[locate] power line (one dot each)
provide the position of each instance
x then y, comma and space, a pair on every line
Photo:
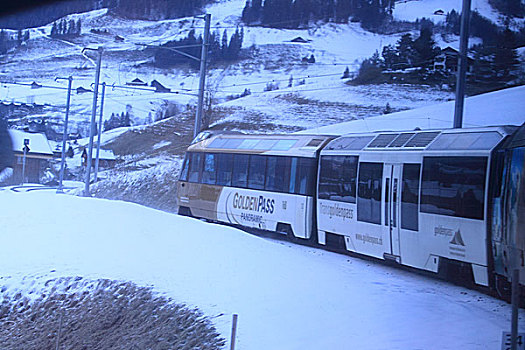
30, 84
295, 90
277, 80
175, 92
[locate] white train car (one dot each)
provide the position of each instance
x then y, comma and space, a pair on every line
420, 198
261, 181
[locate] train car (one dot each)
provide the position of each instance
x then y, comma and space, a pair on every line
507, 223
262, 181
424, 199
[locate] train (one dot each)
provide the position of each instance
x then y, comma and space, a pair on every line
447, 201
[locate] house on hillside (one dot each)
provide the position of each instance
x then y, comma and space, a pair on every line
447, 60
35, 85
106, 158
137, 82
299, 40
159, 87
36, 158
82, 90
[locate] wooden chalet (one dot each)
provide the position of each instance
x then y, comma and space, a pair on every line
37, 157
447, 60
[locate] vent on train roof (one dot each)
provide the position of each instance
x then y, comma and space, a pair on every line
314, 143
382, 140
401, 139
422, 139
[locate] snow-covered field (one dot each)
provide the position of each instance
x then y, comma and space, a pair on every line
287, 296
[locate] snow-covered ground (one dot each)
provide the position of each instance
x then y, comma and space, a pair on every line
287, 296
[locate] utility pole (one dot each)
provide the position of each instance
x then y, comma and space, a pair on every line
202, 80
93, 118
26, 150
100, 129
462, 65
64, 134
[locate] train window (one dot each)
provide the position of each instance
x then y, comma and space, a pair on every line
240, 170
224, 169
454, 186
185, 168
257, 172
277, 174
337, 179
369, 192
209, 169
293, 174
305, 171
284, 145
410, 197
195, 167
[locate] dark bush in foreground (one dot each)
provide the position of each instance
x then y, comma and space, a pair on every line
102, 315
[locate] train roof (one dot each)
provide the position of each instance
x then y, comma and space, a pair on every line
478, 139
286, 144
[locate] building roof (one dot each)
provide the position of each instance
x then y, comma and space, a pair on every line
38, 143
138, 82
103, 155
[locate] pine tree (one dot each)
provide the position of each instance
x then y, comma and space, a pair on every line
506, 61
387, 109
71, 28
3, 41
224, 44
453, 22
425, 49
390, 57
215, 46
405, 51
483, 74
54, 29
346, 74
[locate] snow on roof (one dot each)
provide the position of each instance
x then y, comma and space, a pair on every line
38, 143
104, 154
504, 107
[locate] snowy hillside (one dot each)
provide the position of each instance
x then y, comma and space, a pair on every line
287, 296
503, 107
271, 58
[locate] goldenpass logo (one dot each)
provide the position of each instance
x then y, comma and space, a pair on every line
259, 204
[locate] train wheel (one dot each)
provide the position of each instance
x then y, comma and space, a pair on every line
185, 211
503, 288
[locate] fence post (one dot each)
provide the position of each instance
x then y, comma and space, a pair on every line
234, 331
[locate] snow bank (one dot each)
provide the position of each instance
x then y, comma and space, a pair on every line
287, 296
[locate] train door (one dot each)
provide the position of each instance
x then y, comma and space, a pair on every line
516, 205
391, 200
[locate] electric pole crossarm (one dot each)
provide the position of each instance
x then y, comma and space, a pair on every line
179, 51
